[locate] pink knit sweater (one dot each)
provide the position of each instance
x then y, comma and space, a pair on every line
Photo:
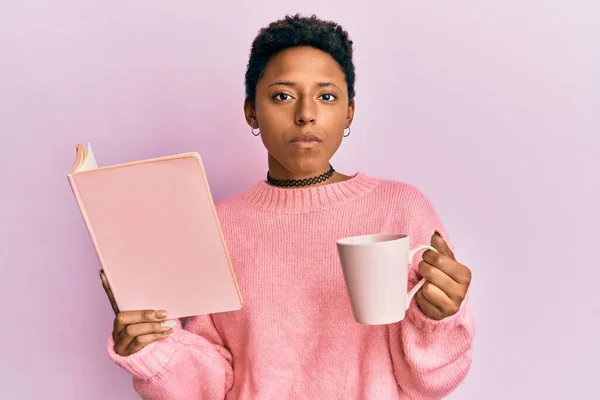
295, 337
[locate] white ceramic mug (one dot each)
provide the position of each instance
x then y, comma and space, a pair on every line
375, 269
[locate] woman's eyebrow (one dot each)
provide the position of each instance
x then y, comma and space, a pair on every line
284, 83
290, 83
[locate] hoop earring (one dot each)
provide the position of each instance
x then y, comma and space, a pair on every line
255, 134
347, 134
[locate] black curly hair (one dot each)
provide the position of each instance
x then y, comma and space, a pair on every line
294, 31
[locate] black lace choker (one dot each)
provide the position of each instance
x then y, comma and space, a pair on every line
301, 182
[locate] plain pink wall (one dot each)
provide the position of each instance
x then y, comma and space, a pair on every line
492, 110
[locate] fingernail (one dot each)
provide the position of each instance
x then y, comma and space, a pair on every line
437, 233
169, 324
160, 314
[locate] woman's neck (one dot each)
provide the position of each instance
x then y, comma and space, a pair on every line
279, 172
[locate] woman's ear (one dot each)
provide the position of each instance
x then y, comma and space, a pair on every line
350, 113
250, 113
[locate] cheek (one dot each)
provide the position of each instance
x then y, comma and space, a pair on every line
336, 122
335, 115
335, 141
272, 119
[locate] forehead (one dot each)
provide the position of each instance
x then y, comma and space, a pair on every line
304, 64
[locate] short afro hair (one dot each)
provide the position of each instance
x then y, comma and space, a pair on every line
295, 31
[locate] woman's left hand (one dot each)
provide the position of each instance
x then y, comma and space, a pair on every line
447, 281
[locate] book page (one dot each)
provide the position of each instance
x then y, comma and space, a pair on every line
90, 160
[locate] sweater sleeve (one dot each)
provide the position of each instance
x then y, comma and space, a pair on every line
191, 363
431, 358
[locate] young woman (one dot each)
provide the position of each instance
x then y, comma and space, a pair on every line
295, 337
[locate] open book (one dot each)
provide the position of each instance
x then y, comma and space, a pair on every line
156, 232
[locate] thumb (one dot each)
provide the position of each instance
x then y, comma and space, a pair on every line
109, 292
438, 242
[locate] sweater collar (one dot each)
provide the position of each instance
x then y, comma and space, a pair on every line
308, 199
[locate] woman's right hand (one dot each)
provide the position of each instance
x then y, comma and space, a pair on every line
134, 330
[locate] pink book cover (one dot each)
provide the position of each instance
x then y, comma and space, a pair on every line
157, 235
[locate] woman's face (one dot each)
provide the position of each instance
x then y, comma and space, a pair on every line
301, 110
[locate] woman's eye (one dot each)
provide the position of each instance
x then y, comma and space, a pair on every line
282, 96
328, 97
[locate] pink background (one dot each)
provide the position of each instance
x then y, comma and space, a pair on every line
492, 110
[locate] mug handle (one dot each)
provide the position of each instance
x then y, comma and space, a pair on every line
419, 285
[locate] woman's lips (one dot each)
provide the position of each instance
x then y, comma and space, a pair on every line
305, 141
